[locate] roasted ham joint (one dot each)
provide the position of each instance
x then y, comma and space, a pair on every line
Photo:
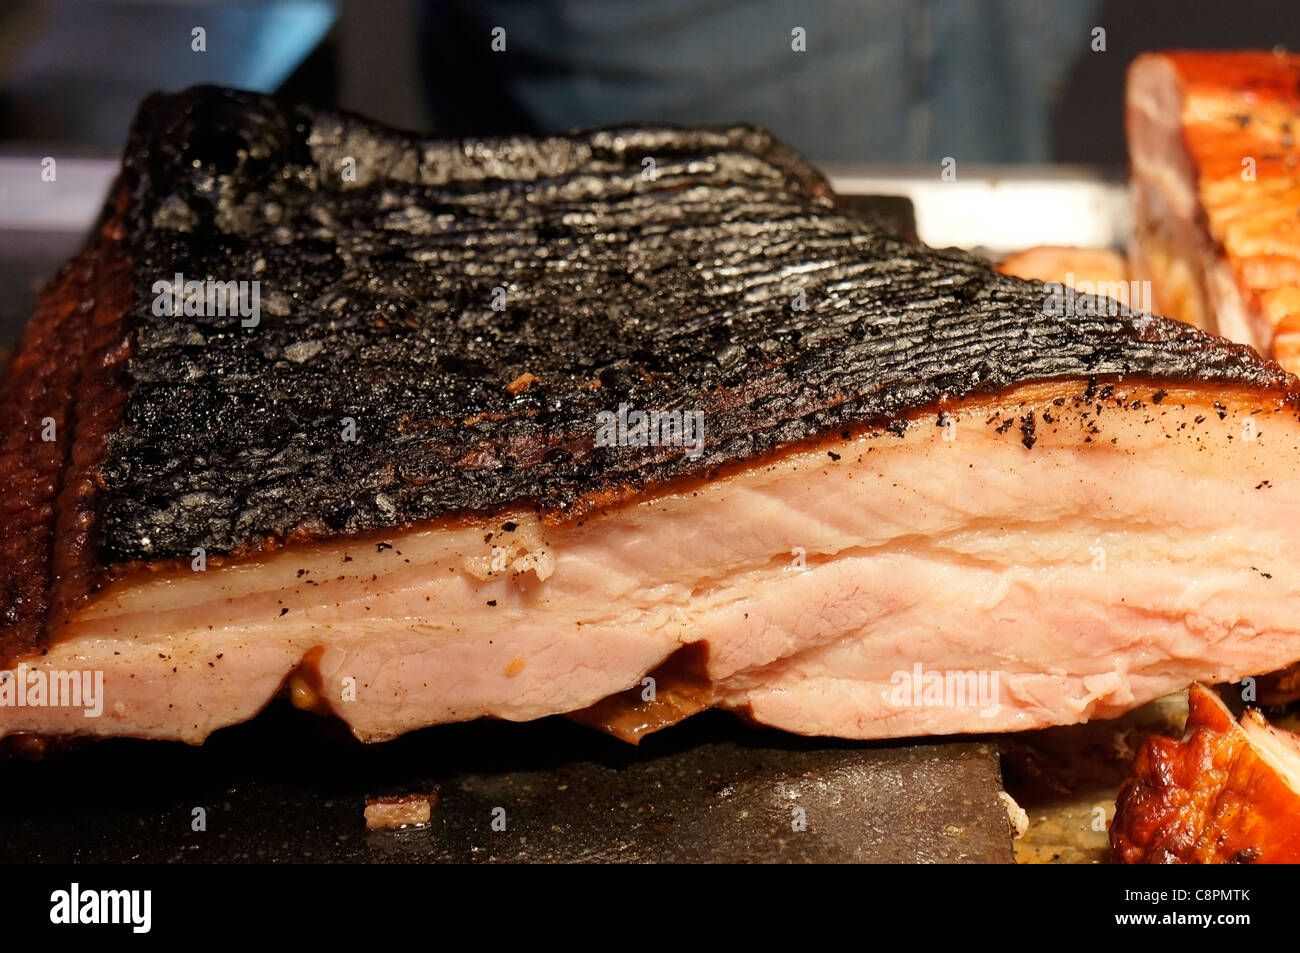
855, 487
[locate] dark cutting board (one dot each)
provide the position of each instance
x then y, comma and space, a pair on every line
291, 786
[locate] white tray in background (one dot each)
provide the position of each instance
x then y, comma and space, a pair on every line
1003, 209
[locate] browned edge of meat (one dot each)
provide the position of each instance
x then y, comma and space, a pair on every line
399, 812
1223, 793
671, 693
62, 398
98, 401
1216, 182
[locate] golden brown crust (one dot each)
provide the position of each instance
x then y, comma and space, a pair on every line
98, 402
37, 397
1210, 797
1241, 130
62, 400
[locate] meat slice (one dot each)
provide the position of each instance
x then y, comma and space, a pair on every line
1080, 574
1224, 793
1100, 270
1216, 179
1096, 273
914, 497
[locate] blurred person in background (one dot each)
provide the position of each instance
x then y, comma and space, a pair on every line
843, 81
886, 79
877, 80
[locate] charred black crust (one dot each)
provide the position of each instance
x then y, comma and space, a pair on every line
671, 292
1027, 431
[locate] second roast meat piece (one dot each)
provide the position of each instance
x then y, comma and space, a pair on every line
1227, 792
1216, 175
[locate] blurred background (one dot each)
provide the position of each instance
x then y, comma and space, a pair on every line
1027, 95
1005, 81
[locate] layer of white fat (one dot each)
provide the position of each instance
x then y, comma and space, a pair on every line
1125, 555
